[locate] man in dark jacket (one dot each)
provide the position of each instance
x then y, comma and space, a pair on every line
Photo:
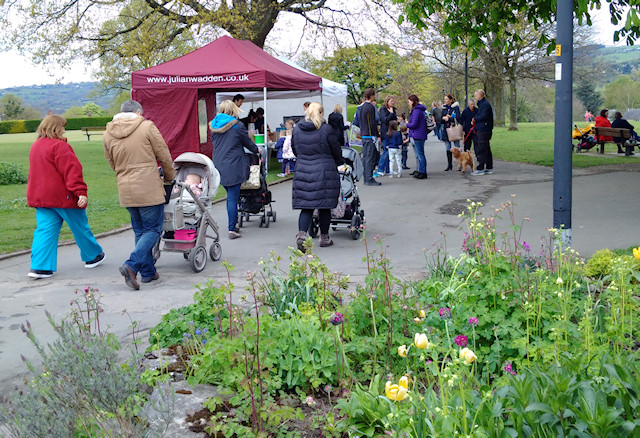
483, 123
619, 122
466, 119
436, 112
369, 134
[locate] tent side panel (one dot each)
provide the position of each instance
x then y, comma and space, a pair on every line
175, 113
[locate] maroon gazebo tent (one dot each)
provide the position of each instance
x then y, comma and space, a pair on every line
170, 92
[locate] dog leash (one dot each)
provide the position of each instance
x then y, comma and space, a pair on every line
473, 129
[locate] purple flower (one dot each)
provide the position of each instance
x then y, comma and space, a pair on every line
336, 318
205, 330
526, 246
444, 313
461, 340
509, 369
473, 321
198, 332
204, 341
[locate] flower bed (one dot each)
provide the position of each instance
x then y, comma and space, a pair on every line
499, 341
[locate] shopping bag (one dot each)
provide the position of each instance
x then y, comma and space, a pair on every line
455, 133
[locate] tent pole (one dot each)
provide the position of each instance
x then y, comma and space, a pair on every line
264, 129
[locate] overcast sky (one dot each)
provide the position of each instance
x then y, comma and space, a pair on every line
18, 70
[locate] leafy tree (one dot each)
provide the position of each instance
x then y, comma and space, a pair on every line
370, 65
623, 93
587, 94
12, 107
466, 22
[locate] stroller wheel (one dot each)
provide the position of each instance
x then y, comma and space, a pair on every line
198, 258
273, 215
156, 251
261, 224
267, 219
240, 220
314, 228
355, 227
185, 255
215, 251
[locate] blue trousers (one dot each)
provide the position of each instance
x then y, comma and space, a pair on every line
44, 249
383, 164
422, 159
147, 226
233, 194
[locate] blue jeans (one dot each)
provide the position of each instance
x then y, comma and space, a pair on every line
383, 163
456, 144
422, 160
147, 226
233, 194
44, 249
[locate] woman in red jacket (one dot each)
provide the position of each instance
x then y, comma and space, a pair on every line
602, 121
56, 189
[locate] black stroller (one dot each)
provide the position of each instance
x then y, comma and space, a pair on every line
347, 215
256, 201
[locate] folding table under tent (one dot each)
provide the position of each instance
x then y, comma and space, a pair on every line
170, 92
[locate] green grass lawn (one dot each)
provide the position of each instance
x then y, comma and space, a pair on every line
17, 220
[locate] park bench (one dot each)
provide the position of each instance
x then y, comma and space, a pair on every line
92, 130
622, 133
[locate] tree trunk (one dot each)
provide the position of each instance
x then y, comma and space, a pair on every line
513, 104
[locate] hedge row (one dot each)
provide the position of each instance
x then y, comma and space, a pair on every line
20, 126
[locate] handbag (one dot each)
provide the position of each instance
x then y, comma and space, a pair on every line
455, 133
253, 182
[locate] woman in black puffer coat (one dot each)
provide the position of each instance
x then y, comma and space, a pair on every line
316, 183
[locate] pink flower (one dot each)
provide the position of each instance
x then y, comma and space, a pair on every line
473, 321
509, 369
461, 340
444, 313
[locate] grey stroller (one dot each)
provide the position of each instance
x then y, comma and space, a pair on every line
347, 215
187, 216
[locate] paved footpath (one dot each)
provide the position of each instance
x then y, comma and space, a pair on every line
410, 215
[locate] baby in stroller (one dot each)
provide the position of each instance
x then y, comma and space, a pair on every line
187, 215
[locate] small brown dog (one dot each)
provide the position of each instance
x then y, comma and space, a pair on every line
464, 159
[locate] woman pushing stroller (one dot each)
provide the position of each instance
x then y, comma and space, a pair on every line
316, 183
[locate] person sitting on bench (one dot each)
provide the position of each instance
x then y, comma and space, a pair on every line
619, 122
602, 121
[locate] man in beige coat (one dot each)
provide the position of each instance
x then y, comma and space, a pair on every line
134, 146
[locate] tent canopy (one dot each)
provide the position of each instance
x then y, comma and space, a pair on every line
170, 92
224, 64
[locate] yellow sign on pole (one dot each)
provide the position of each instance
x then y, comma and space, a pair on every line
558, 49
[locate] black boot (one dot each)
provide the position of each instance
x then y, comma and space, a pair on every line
449, 161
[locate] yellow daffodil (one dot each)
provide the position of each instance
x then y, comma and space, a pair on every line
467, 355
404, 382
636, 253
395, 392
402, 351
422, 314
421, 341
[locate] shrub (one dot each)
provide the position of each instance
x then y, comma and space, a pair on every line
12, 173
600, 264
75, 123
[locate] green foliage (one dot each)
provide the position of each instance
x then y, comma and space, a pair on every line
467, 21
22, 126
371, 65
208, 310
591, 99
623, 93
81, 387
599, 264
11, 173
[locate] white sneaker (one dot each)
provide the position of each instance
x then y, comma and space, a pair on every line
477, 172
281, 175
488, 171
399, 175
391, 175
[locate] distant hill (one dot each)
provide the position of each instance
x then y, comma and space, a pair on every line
59, 98
623, 59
